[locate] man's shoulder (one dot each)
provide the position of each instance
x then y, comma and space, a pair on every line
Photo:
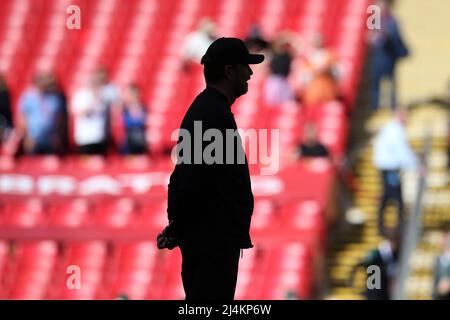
206, 105
207, 96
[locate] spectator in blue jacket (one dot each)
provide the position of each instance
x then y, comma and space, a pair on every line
386, 48
134, 120
40, 116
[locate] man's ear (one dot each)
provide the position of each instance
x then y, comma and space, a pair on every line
229, 72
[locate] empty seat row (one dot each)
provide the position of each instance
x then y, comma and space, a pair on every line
98, 270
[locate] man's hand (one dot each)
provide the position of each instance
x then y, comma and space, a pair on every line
166, 239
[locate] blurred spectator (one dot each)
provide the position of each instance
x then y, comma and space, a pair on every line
40, 116
6, 121
387, 47
134, 119
441, 283
311, 147
385, 257
109, 92
55, 88
255, 41
122, 296
91, 107
276, 88
319, 75
391, 154
291, 295
197, 42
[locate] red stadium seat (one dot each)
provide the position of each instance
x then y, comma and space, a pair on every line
117, 214
33, 276
170, 281
132, 270
288, 272
87, 255
41, 164
154, 215
263, 214
73, 214
134, 284
35, 262
27, 291
141, 255
87, 291
4, 252
24, 214
37, 254
308, 219
90, 257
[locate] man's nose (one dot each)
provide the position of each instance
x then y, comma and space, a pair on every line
250, 70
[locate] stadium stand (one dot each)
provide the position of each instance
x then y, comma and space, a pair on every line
103, 215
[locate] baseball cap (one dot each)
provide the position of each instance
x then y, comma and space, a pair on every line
230, 51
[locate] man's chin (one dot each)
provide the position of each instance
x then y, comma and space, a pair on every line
241, 90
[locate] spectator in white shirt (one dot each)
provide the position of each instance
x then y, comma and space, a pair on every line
391, 155
91, 107
197, 42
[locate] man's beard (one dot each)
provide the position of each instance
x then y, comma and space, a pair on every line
241, 89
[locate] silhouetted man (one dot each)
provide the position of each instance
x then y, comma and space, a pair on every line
210, 204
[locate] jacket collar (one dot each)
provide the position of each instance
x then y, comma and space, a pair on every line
218, 94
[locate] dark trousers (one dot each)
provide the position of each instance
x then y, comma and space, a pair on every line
377, 294
209, 274
375, 90
93, 149
391, 191
42, 149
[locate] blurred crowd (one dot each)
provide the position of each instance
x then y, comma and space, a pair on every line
50, 124
304, 70
300, 69
297, 69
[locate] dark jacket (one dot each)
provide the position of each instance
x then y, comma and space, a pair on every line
211, 204
389, 48
376, 258
6, 119
281, 64
441, 270
312, 151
